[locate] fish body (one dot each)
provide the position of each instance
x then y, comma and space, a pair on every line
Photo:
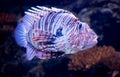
44, 31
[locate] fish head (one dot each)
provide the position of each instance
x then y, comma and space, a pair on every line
88, 38
76, 37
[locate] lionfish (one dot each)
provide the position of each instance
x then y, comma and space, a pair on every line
51, 32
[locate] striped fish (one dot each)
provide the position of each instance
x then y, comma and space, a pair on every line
47, 31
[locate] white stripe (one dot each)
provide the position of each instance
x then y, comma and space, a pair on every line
49, 21
36, 28
67, 21
66, 24
56, 25
54, 22
31, 36
59, 23
41, 23
44, 20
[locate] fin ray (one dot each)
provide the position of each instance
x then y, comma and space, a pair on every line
30, 53
20, 35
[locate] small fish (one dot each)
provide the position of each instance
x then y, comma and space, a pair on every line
45, 32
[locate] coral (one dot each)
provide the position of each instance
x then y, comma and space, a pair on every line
87, 58
98, 59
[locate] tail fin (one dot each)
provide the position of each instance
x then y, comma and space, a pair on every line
20, 35
22, 29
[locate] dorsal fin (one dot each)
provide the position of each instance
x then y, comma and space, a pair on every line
39, 11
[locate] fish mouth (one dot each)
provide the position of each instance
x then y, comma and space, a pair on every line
92, 42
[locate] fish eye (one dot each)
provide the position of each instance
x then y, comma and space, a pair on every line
80, 26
